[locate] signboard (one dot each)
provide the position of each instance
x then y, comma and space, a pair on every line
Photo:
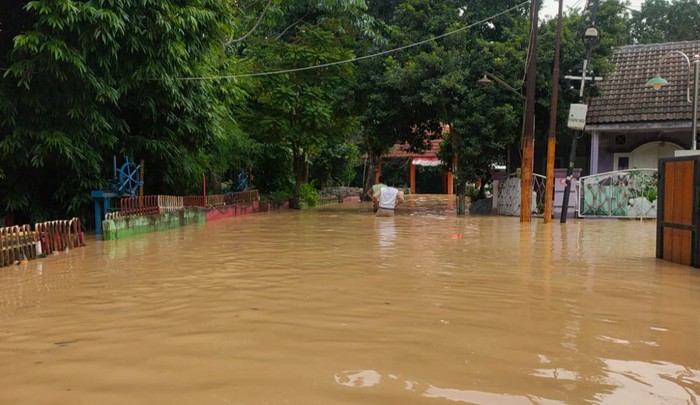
577, 116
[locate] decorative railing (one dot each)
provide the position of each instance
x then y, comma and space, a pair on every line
17, 243
155, 204
241, 196
509, 195
20, 243
56, 236
620, 194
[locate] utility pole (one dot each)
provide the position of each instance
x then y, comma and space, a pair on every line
528, 141
458, 184
552, 138
589, 37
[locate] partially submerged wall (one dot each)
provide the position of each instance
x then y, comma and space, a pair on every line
124, 227
120, 227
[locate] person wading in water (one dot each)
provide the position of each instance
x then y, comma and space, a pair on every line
388, 198
373, 192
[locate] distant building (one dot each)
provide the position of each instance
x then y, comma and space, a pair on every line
632, 125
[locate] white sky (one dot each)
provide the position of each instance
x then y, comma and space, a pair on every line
550, 7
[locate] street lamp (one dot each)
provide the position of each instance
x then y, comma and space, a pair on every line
455, 157
487, 80
657, 82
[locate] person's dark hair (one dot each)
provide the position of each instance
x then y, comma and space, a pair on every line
381, 179
390, 183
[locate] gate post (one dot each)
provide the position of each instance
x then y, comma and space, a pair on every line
677, 225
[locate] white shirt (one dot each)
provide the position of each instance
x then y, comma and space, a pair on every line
387, 198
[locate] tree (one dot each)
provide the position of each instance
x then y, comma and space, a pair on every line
305, 110
334, 165
87, 80
436, 82
663, 21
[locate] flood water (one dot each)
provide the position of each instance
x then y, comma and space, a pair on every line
335, 306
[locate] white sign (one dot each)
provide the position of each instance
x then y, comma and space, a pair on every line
577, 116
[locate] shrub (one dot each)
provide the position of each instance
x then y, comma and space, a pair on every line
309, 194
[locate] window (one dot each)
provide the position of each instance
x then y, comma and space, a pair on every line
623, 163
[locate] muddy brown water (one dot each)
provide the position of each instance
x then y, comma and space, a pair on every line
335, 306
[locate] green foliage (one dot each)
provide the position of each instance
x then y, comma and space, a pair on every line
88, 80
85, 80
273, 169
335, 165
280, 195
643, 184
309, 194
475, 193
407, 96
304, 111
666, 21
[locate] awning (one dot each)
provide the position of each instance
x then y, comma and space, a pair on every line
430, 161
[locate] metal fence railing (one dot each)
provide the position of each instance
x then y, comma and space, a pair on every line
619, 194
17, 243
20, 243
156, 204
509, 196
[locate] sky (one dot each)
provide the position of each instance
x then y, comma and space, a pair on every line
550, 7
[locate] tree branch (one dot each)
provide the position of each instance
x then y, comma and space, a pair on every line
257, 23
292, 25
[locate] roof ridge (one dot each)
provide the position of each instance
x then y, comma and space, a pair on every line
663, 45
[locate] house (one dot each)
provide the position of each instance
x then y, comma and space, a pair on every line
631, 125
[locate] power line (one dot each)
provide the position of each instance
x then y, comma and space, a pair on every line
374, 55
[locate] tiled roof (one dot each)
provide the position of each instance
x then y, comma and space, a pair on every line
402, 151
627, 99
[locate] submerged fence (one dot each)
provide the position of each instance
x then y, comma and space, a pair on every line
156, 204
56, 236
21, 243
17, 243
509, 195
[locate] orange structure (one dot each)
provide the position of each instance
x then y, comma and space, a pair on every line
427, 158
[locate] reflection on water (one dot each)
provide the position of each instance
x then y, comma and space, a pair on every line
358, 378
335, 306
387, 236
659, 382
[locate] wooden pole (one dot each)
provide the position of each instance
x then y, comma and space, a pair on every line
528, 142
552, 138
453, 170
412, 171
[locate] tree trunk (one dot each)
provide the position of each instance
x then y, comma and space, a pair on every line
299, 167
371, 173
461, 192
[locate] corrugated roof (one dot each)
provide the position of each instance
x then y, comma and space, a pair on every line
625, 96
